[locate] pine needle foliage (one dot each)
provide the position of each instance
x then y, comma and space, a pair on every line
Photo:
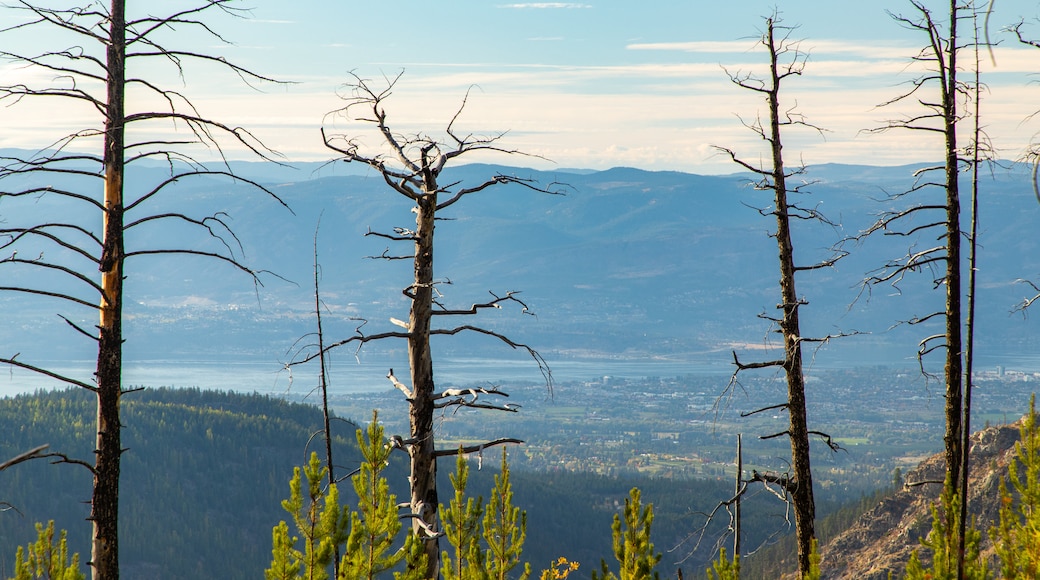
319, 521
942, 543
368, 533
724, 568
461, 522
813, 573
502, 527
47, 559
505, 528
376, 524
632, 546
1016, 536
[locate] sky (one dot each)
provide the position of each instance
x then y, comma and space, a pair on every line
590, 84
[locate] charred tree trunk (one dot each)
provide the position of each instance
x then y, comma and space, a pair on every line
105, 501
953, 437
785, 60
424, 500
798, 431
941, 117
95, 73
798, 428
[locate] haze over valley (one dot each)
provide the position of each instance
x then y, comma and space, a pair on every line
640, 273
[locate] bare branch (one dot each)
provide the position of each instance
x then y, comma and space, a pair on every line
496, 303
543, 366
408, 394
756, 365
1027, 302
34, 453
476, 448
834, 446
763, 409
16, 363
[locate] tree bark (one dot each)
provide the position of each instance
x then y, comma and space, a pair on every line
105, 500
798, 431
424, 500
953, 368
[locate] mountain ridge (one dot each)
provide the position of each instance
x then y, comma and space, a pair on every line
628, 263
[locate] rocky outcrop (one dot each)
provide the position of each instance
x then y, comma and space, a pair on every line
883, 538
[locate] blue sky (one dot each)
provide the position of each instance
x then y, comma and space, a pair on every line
591, 84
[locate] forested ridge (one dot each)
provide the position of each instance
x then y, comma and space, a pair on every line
205, 472
204, 475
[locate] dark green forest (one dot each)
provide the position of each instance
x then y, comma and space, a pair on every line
205, 472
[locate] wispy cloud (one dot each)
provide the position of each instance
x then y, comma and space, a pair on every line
543, 5
866, 51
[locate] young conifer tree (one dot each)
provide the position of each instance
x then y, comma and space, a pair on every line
504, 529
724, 568
632, 546
47, 558
502, 526
319, 521
376, 523
461, 521
366, 535
943, 543
1016, 537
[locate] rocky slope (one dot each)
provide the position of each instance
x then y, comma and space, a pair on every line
883, 538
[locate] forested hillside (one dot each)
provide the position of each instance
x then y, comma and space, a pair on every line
205, 473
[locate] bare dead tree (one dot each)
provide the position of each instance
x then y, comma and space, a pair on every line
80, 264
786, 60
943, 113
946, 110
323, 384
411, 166
979, 149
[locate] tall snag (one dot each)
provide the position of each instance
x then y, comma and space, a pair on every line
786, 60
941, 115
93, 74
411, 165
944, 113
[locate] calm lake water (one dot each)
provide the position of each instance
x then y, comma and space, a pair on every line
369, 374
346, 377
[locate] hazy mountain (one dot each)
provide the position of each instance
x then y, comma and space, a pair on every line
628, 263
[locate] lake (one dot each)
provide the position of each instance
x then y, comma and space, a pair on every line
366, 375
349, 375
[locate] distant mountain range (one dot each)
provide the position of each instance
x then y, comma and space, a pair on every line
627, 264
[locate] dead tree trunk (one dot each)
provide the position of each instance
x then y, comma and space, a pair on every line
798, 485
798, 430
942, 116
954, 370
76, 250
422, 452
105, 502
411, 166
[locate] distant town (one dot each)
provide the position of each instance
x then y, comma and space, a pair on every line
880, 420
